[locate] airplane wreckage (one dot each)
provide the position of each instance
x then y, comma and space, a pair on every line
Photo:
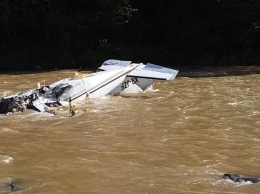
113, 77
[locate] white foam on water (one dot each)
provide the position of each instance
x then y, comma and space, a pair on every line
148, 90
7, 130
6, 159
102, 98
255, 113
230, 182
234, 103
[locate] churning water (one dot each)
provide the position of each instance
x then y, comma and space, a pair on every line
179, 138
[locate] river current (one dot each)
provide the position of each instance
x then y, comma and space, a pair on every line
178, 138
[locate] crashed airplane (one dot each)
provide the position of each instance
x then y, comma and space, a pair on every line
113, 77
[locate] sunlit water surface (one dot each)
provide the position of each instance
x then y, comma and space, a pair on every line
178, 138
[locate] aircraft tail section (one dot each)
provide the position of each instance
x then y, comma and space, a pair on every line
149, 71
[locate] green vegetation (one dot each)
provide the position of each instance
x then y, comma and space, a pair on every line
72, 34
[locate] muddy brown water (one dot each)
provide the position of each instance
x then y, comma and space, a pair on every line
178, 138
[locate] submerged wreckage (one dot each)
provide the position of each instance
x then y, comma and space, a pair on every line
113, 77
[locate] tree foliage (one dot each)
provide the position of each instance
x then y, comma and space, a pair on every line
80, 33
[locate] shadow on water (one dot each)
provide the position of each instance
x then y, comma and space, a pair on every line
220, 71
137, 96
43, 71
28, 72
184, 71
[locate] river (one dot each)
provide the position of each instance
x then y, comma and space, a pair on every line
178, 138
